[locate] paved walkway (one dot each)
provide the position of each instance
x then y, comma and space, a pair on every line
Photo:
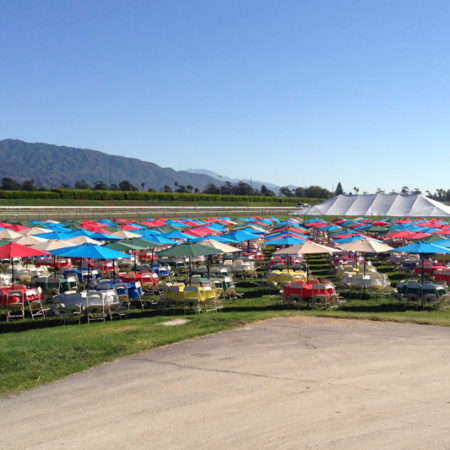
285, 383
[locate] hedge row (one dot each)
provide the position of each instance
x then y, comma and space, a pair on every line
89, 194
29, 194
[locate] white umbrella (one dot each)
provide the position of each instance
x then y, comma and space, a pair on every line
220, 245
126, 234
9, 234
34, 230
52, 244
29, 240
80, 240
365, 246
306, 248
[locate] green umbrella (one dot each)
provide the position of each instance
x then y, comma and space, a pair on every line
124, 247
189, 249
141, 243
3, 242
166, 229
434, 238
121, 246
379, 229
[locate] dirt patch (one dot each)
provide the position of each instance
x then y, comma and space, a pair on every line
174, 322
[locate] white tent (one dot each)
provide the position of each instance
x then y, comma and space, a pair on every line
388, 205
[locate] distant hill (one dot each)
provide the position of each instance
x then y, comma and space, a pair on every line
52, 165
223, 179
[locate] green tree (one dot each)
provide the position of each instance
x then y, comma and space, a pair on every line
265, 191
100, 186
28, 185
125, 185
286, 192
299, 192
8, 184
211, 189
339, 190
81, 184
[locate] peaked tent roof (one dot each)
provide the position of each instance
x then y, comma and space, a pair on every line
389, 205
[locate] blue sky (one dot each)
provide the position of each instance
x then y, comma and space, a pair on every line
289, 92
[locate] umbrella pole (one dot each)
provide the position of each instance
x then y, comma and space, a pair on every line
12, 273
190, 272
114, 270
421, 289
307, 269
54, 265
364, 274
209, 264
89, 273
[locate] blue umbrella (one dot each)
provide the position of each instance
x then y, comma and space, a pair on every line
240, 236
177, 235
443, 243
159, 239
89, 251
286, 240
423, 249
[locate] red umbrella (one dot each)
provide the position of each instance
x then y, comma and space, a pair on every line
14, 250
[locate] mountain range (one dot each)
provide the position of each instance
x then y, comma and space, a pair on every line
52, 165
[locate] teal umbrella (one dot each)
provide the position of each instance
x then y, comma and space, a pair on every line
189, 249
423, 249
90, 251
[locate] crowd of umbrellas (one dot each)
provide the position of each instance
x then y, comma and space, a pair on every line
122, 239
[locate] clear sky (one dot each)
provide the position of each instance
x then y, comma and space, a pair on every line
286, 91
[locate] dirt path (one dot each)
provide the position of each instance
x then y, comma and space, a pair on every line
285, 383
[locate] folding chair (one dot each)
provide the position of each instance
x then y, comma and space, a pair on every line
192, 299
15, 305
95, 306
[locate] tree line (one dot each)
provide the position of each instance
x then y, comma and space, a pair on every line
239, 188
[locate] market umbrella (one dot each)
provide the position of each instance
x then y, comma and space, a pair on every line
306, 248
33, 231
124, 246
81, 240
284, 240
53, 244
124, 234
90, 251
13, 250
29, 240
141, 244
225, 248
189, 249
423, 249
365, 246
9, 234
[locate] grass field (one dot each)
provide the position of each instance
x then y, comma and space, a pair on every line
40, 352
33, 353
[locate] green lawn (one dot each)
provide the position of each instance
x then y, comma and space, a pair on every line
33, 353
39, 352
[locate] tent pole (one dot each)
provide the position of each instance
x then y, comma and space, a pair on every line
12, 273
